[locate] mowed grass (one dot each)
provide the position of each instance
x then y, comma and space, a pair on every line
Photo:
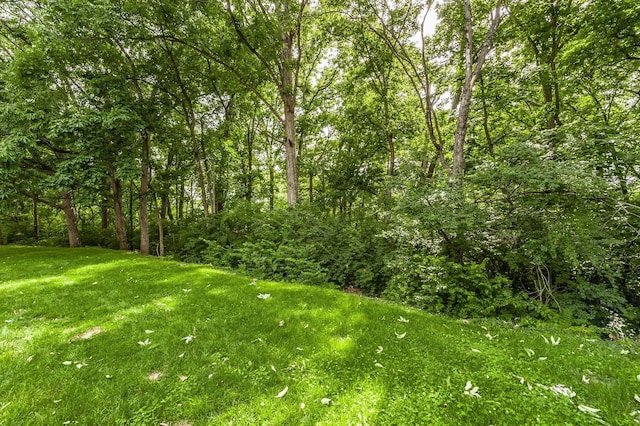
97, 337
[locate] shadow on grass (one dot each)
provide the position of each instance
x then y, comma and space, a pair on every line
187, 343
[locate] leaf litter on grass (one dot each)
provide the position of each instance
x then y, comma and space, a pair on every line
545, 398
155, 375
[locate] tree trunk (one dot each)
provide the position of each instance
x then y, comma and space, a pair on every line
472, 71
485, 120
1, 237
160, 228
288, 93
180, 207
104, 205
144, 193
272, 186
461, 129
70, 219
290, 150
165, 208
250, 141
120, 222
196, 154
36, 220
555, 47
211, 184
390, 143
104, 213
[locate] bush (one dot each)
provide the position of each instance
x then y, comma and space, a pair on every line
439, 285
299, 244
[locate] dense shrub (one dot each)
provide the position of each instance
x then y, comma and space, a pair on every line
526, 234
439, 285
300, 244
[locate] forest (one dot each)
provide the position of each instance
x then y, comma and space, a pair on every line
470, 158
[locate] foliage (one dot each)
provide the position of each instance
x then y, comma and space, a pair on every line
438, 285
293, 245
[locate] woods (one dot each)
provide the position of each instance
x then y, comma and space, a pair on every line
486, 166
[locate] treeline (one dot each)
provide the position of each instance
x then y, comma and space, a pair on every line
487, 166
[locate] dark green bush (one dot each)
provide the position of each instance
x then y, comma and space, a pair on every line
300, 244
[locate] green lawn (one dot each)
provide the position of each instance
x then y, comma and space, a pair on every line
91, 336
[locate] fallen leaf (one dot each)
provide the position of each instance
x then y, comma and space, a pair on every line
490, 337
80, 365
30, 358
188, 339
302, 405
379, 350
325, 401
181, 355
585, 379
155, 375
274, 369
471, 390
400, 336
588, 410
183, 378
542, 358
108, 377
624, 352
555, 342
377, 364
283, 392
529, 352
475, 350
637, 398
264, 296
563, 390
403, 319
145, 343
522, 379
148, 331
67, 363
281, 323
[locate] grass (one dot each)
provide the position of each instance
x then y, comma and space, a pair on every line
90, 336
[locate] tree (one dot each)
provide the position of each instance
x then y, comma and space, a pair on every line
268, 40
